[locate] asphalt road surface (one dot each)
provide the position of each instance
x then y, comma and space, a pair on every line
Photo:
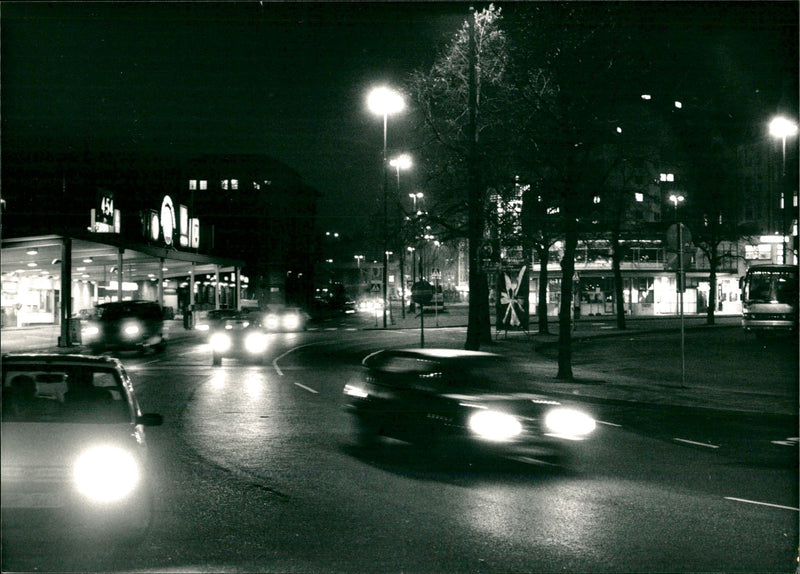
258, 471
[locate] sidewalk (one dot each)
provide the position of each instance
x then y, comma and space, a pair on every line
590, 385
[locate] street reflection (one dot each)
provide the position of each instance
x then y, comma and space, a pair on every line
564, 518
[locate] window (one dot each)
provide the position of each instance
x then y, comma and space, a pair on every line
203, 184
234, 184
192, 184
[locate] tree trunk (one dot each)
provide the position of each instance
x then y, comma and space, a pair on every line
565, 311
619, 295
712, 290
541, 306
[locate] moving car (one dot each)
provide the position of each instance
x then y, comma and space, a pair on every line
216, 317
126, 325
238, 336
285, 319
464, 401
74, 451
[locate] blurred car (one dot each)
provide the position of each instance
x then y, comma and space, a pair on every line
285, 319
216, 317
239, 335
74, 451
126, 325
464, 401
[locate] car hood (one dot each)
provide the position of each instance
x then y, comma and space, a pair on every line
57, 444
530, 404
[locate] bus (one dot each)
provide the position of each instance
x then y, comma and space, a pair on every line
769, 298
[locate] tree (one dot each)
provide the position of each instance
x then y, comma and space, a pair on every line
569, 73
462, 102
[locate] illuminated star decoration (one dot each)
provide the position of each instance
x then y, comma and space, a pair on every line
509, 297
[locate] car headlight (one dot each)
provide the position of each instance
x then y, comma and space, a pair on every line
568, 423
291, 321
131, 329
494, 425
272, 322
106, 473
255, 343
90, 331
355, 391
202, 327
220, 342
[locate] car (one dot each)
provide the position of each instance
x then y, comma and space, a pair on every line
74, 449
285, 319
239, 335
127, 326
457, 401
216, 317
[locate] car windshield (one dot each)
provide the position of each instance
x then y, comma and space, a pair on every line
63, 393
116, 312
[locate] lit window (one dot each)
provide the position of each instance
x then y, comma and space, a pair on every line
203, 184
224, 184
639, 197
192, 184
234, 184
667, 177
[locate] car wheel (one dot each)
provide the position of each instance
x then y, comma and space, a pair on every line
216, 360
368, 434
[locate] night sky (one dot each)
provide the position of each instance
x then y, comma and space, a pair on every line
289, 80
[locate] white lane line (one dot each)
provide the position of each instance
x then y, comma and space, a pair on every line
309, 389
761, 503
696, 443
609, 424
292, 350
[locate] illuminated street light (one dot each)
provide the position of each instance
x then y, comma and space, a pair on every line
415, 197
681, 282
402, 161
384, 101
782, 128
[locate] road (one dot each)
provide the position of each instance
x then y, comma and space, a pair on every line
259, 472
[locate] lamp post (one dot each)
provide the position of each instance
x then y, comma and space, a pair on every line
402, 161
415, 197
676, 199
383, 101
782, 128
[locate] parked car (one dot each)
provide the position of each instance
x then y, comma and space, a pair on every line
285, 319
126, 325
238, 335
74, 450
464, 401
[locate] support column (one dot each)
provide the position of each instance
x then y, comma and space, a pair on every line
119, 273
65, 339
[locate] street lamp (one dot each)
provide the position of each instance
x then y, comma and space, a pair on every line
782, 128
681, 282
415, 197
402, 161
384, 101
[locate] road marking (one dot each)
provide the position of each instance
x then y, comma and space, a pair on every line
309, 389
761, 503
609, 424
790, 441
293, 349
696, 443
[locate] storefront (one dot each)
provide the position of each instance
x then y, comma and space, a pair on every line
48, 279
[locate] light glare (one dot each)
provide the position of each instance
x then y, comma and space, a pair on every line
106, 473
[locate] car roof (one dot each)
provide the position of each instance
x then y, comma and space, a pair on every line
127, 303
58, 358
443, 355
